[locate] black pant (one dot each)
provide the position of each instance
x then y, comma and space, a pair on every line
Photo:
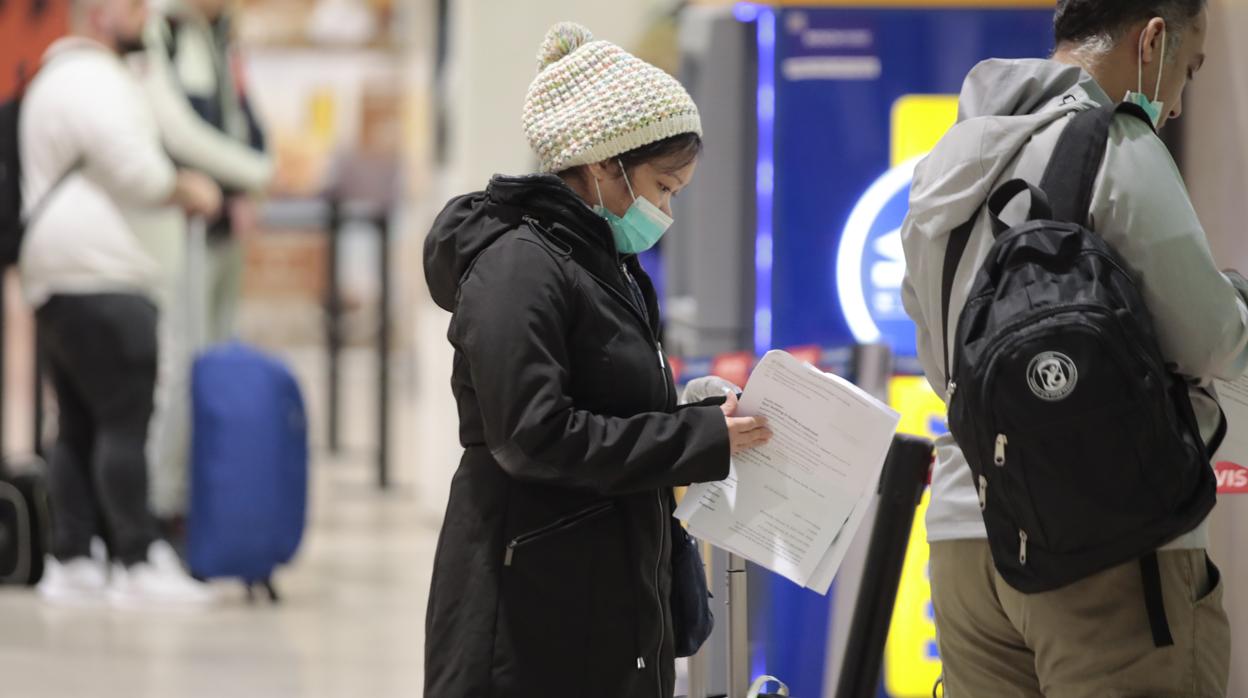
100, 351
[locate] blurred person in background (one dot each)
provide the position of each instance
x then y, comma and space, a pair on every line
206, 123
93, 162
553, 572
194, 61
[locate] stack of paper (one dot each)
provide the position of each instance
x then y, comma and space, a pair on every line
794, 505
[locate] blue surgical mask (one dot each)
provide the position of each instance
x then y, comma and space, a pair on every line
642, 225
1153, 107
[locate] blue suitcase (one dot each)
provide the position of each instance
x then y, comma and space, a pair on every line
249, 466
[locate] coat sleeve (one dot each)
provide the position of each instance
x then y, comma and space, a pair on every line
511, 325
1143, 210
191, 141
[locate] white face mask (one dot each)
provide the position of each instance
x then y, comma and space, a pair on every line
1153, 107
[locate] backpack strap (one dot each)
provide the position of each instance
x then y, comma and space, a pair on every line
37, 209
1066, 190
1154, 601
1219, 435
958, 240
1070, 178
1040, 209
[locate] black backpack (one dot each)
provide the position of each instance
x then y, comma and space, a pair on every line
1083, 443
11, 224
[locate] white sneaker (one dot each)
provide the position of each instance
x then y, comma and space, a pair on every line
78, 582
159, 582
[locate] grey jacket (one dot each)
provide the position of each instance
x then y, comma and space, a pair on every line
1011, 114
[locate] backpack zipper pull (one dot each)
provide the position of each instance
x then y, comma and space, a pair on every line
511, 551
950, 389
983, 493
1022, 547
641, 663
1002, 442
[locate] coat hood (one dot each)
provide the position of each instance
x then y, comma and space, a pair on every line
1003, 104
471, 223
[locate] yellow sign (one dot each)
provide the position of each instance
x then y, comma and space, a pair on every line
919, 122
911, 661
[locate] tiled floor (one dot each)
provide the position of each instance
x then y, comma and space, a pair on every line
351, 624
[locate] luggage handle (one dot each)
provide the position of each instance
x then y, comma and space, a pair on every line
1040, 209
196, 295
756, 690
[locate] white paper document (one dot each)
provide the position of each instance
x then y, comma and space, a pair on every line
794, 505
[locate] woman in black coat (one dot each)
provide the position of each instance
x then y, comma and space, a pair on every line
553, 572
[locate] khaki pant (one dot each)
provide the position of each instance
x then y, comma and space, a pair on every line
1087, 640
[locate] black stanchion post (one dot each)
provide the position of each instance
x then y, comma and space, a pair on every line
333, 324
901, 488
383, 355
3, 357
37, 437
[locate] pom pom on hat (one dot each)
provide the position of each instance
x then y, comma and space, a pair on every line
592, 101
562, 41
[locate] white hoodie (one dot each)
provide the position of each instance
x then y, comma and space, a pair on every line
85, 110
1011, 114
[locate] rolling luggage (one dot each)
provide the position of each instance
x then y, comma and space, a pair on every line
249, 466
249, 461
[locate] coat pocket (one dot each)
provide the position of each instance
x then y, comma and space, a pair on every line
562, 612
561, 525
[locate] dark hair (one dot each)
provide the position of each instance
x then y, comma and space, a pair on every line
1079, 20
669, 155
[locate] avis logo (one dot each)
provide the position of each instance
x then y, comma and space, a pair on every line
1232, 478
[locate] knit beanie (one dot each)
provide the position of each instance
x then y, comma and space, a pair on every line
593, 101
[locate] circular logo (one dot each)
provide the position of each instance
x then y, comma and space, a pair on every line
1052, 376
871, 263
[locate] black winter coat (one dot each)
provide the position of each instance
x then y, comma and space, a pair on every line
553, 575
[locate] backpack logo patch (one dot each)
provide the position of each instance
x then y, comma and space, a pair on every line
1052, 376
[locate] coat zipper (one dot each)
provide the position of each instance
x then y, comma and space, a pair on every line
643, 315
562, 524
640, 313
658, 565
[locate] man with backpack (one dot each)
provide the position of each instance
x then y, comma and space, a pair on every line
1067, 523
92, 164
195, 70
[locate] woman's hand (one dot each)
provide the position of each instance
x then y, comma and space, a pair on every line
744, 432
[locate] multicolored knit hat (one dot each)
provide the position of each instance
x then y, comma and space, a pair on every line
593, 101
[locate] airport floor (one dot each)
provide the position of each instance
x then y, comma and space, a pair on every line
351, 623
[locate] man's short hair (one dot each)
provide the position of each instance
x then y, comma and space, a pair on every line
1079, 21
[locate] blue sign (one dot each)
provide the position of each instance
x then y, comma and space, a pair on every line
837, 74
829, 78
